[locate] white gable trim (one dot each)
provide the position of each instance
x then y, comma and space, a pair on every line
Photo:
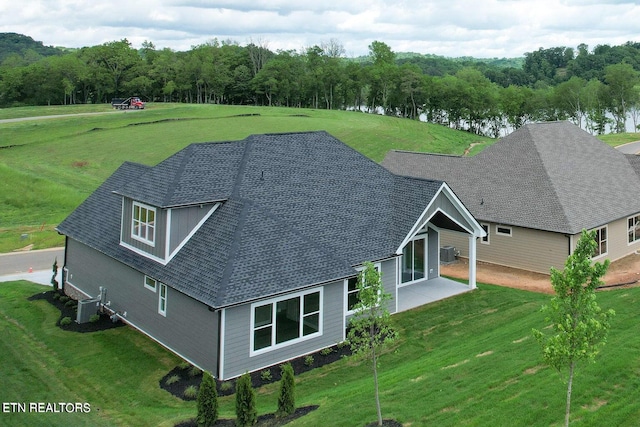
444, 189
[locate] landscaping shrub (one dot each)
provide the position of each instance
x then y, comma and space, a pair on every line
326, 351
184, 365
64, 298
65, 321
226, 386
308, 360
207, 402
194, 372
190, 392
266, 375
246, 413
286, 397
172, 379
94, 318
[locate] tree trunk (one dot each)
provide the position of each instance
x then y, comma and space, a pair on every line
568, 410
375, 378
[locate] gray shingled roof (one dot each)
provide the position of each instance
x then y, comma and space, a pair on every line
548, 176
298, 209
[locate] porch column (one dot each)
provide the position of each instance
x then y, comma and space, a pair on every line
472, 261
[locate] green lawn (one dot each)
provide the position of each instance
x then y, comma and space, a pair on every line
466, 361
48, 167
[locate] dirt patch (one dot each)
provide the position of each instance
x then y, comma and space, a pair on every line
624, 272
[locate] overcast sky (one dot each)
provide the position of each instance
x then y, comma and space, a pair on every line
453, 28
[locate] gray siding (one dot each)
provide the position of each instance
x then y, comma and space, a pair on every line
433, 255
183, 221
527, 249
189, 328
389, 281
158, 250
237, 331
443, 203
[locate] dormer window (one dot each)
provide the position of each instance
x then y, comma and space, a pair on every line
143, 225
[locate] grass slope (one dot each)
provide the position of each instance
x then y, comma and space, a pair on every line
466, 361
47, 167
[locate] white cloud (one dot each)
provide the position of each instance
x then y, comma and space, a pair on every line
490, 28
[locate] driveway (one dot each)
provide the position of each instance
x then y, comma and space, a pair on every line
629, 148
35, 266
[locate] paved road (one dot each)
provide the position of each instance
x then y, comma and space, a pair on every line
35, 266
630, 148
57, 116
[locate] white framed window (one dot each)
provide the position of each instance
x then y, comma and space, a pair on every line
150, 283
485, 240
351, 289
503, 230
633, 227
162, 299
143, 223
601, 241
414, 259
284, 321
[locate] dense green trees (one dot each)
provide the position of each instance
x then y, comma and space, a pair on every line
596, 89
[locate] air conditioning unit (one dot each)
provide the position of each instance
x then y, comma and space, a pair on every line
447, 254
86, 309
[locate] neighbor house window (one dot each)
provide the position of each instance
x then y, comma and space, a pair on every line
353, 296
143, 226
634, 228
286, 320
150, 283
413, 260
601, 241
485, 239
162, 300
503, 230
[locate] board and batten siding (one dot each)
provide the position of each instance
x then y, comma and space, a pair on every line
526, 248
238, 329
444, 204
189, 329
158, 249
183, 221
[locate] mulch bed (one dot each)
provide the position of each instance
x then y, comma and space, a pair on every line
267, 420
70, 310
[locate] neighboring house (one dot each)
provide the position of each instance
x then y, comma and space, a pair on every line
240, 255
535, 190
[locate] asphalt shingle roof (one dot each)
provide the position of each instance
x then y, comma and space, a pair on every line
549, 176
297, 209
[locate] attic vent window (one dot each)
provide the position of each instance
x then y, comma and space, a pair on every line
143, 223
502, 230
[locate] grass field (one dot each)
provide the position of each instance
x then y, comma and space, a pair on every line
48, 167
466, 361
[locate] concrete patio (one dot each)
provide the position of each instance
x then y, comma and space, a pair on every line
428, 291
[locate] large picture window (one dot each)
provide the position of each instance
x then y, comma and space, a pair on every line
634, 228
601, 241
413, 260
286, 320
143, 225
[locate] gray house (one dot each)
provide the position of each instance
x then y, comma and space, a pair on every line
240, 255
535, 190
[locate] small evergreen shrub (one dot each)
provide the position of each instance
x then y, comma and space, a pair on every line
308, 360
266, 375
246, 413
94, 318
64, 298
190, 392
326, 351
286, 397
70, 303
65, 321
172, 379
207, 402
226, 386
343, 344
56, 295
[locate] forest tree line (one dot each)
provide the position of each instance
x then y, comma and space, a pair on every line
596, 89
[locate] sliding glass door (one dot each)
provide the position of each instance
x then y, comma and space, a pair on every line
414, 260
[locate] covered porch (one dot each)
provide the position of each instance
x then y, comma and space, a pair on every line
428, 291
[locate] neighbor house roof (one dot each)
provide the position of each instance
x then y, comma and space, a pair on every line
550, 176
297, 209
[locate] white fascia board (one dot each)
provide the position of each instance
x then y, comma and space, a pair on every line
195, 229
477, 230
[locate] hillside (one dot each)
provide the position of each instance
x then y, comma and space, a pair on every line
19, 44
